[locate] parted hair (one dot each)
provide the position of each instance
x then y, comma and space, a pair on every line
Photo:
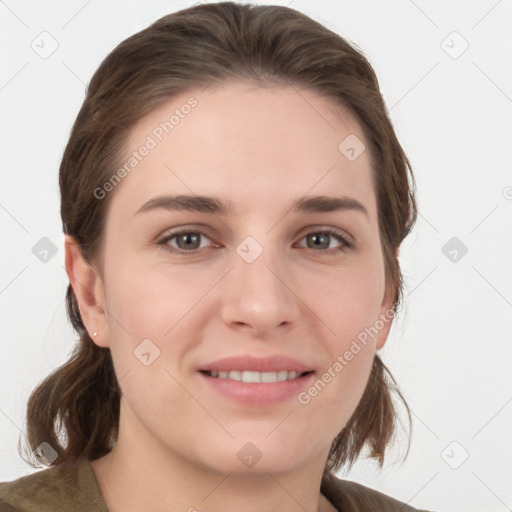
74, 412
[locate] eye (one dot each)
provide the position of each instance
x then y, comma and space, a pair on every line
189, 242
319, 240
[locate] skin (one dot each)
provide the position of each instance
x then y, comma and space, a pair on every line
260, 148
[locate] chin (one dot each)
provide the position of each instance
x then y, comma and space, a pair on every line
257, 455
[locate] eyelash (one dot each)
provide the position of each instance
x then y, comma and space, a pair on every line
345, 243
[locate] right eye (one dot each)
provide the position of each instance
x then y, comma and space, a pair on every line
187, 241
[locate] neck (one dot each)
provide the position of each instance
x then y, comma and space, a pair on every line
138, 475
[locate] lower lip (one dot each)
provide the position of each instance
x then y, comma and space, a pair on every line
258, 394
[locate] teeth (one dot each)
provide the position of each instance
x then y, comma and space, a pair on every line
252, 377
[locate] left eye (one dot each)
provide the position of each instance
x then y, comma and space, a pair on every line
321, 240
189, 242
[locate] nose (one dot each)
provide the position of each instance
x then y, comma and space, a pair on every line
260, 295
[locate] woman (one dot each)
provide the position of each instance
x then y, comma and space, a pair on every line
233, 197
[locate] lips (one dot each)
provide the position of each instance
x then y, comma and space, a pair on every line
256, 381
247, 363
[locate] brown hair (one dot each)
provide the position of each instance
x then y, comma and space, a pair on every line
75, 410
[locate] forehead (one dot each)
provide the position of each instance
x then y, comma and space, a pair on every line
250, 141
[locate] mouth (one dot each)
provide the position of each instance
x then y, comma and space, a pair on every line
251, 388
256, 381
254, 377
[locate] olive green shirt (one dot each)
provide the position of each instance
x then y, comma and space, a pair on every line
74, 488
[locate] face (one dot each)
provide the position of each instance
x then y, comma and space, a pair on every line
199, 296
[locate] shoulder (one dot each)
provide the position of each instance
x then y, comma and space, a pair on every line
61, 488
43, 488
353, 497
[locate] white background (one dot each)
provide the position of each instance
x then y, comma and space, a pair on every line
450, 351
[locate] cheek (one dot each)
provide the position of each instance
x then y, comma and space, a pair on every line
151, 301
341, 381
149, 309
348, 300
350, 310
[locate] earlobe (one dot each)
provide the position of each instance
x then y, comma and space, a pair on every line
88, 288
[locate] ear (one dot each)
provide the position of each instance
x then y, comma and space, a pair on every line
88, 287
383, 324
387, 311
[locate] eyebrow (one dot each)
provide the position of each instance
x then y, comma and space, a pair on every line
212, 205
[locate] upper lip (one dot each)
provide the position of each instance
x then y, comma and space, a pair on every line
257, 364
